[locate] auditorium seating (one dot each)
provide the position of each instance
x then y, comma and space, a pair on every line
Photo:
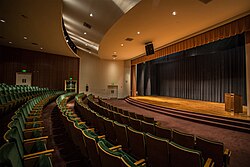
13, 96
89, 134
214, 150
180, 156
138, 150
25, 144
183, 139
157, 151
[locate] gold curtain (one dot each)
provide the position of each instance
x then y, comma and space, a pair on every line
230, 29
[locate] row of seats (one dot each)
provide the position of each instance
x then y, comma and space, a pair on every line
209, 149
96, 148
25, 143
13, 96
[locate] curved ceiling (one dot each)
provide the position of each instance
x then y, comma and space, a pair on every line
34, 25
156, 23
113, 21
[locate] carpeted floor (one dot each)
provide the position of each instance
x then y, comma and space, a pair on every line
237, 142
66, 154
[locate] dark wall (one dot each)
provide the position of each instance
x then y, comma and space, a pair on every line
48, 70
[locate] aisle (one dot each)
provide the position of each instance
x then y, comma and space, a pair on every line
65, 154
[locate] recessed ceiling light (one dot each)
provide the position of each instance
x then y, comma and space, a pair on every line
91, 14
89, 52
41, 48
122, 45
25, 38
86, 44
138, 32
3, 21
67, 40
84, 33
10, 42
114, 52
174, 13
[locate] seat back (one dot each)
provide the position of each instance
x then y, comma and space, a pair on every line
135, 123
181, 156
125, 119
91, 144
117, 117
139, 116
163, 132
136, 143
157, 151
210, 149
148, 127
108, 158
9, 155
121, 134
132, 115
149, 119
110, 132
183, 139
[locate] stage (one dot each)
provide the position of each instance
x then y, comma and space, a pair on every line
197, 106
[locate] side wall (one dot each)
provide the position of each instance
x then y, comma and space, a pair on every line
48, 70
98, 74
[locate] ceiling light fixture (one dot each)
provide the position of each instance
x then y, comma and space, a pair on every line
114, 52
67, 40
114, 57
25, 38
174, 13
91, 14
84, 33
10, 42
138, 32
3, 21
41, 48
122, 45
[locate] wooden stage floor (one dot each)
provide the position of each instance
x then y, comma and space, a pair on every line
198, 106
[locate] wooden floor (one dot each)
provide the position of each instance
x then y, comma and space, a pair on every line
198, 106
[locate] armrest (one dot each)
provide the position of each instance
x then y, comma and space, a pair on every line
35, 139
32, 117
101, 137
209, 163
115, 147
33, 155
91, 129
36, 122
226, 156
140, 162
81, 123
32, 129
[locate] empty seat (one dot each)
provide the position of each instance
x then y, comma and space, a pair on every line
132, 115
136, 143
139, 116
125, 112
110, 132
148, 127
157, 151
163, 132
183, 139
29, 147
125, 119
91, 140
149, 119
135, 123
121, 134
117, 117
214, 150
114, 156
9, 156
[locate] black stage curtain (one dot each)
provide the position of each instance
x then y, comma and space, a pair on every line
202, 73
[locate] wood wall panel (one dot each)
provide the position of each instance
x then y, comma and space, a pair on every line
48, 70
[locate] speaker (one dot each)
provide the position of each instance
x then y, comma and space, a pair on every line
149, 47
